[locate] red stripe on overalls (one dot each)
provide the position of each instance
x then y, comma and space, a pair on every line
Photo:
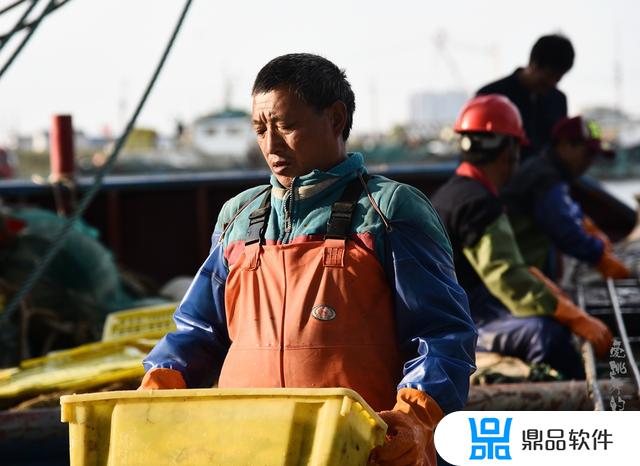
234, 249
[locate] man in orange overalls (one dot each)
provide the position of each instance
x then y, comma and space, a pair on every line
327, 277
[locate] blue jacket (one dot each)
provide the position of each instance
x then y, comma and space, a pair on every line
435, 332
544, 215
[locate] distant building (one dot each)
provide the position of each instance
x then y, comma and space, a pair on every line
617, 126
85, 143
19, 142
40, 142
227, 136
430, 112
141, 140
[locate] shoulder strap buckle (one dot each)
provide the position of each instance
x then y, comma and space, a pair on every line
258, 221
339, 224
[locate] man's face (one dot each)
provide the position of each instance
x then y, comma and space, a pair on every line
294, 137
544, 79
509, 161
577, 157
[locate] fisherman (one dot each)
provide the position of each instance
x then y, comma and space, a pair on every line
327, 277
543, 215
533, 89
517, 310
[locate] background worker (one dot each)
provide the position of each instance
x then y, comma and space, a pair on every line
533, 89
327, 277
518, 313
542, 213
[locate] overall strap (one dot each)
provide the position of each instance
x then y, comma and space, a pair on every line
227, 225
339, 224
258, 220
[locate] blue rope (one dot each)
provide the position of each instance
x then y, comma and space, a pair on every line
95, 188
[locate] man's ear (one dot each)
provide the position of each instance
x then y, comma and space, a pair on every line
337, 113
514, 151
507, 156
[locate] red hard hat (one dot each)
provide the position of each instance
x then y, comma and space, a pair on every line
491, 113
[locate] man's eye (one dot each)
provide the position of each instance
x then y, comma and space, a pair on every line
260, 131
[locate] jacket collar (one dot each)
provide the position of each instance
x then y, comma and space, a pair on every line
317, 180
471, 171
551, 155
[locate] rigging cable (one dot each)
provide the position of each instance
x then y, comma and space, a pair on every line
11, 6
55, 248
19, 24
51, 6
31, 23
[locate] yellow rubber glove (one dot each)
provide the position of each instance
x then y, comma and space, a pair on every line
578, 321
410, 435
612, 267
161, 379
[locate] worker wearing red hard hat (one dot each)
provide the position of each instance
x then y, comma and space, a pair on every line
544, 216
491, 117
518, 311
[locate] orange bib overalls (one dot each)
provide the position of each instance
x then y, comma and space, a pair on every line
312, 314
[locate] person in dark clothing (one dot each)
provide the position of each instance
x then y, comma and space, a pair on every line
540, 208
518, 311
533, 89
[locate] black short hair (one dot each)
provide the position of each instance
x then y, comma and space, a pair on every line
553, 51
314, 79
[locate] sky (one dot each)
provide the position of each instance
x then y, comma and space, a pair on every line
93, 58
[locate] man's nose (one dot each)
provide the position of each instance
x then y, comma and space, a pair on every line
273, 141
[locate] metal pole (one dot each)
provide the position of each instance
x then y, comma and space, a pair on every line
62, 161
589, 359
62, 156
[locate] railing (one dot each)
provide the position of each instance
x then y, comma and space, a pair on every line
617, 302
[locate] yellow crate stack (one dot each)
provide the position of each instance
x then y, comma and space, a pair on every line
127, 337
143, 322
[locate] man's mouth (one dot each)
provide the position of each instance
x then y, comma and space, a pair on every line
280, 164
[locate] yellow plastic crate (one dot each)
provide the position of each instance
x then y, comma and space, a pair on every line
150, 321
230, 427
82, 368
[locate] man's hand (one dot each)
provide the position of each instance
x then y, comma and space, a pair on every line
609, 265
612, 267
584, 325
405, 443
578, 321
593, 230
410, 435
161, 379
